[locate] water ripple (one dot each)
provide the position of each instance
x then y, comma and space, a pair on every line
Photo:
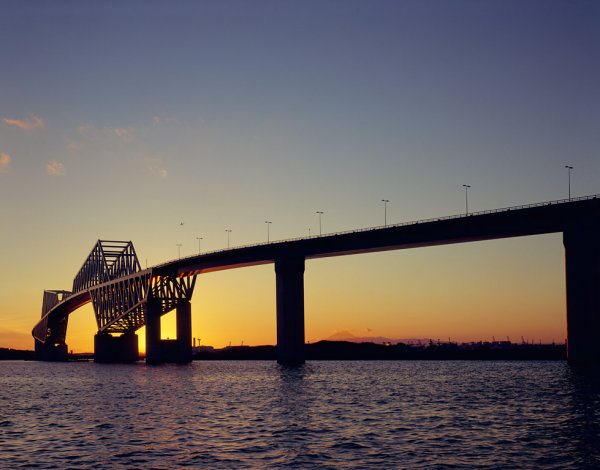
323, 414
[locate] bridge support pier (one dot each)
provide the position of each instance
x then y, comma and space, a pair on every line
49, 351
169, 350
153, 342
184, 332
112, 349
289, 274
582, 262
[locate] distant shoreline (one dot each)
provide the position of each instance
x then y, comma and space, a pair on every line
345, 350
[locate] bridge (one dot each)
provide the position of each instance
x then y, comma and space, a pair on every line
126, 297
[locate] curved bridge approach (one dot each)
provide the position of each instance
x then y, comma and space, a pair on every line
126, 297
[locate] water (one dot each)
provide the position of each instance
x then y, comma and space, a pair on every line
324, 414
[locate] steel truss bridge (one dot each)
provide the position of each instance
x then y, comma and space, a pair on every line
126, 297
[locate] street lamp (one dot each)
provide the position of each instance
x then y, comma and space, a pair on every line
179, 245
385, 203
320, 214
228, 232
569, 168
199, 238
268, 222
466, 186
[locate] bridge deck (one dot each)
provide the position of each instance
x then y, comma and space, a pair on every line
533, 219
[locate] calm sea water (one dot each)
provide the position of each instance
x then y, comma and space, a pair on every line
324, 414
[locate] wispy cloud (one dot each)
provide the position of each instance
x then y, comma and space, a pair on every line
164, 120
157, 169
124, 133
84, 129
4, 162
151, 164
122, 141
31, 122
72, 145
55, 168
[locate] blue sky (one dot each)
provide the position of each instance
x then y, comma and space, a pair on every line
122, 119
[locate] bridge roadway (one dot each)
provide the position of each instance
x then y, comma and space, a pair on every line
578, 219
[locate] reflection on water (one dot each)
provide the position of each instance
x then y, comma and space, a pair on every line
325, 414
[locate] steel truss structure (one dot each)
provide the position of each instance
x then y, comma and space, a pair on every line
120, 291
108, 260
121, 305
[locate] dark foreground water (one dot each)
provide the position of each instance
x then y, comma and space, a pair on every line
324, 414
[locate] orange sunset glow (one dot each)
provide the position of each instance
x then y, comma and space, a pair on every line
320, 122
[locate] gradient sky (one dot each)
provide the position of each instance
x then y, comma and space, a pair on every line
119, 120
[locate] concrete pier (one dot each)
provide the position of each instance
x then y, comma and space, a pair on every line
153, 343
582, 262
116, 349
289, 273
177, 350
51, 352
184, 332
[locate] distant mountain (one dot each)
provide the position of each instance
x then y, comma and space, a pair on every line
347, 336
341, 336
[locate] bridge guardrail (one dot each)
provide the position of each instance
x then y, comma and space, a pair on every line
401, 224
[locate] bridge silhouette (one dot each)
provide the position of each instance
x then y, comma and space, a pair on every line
126, 297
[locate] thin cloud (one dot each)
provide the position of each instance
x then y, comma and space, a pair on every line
123, 133
164, 121
4, 162
31, 122
72, 145
157, 170
84, 129
55, 168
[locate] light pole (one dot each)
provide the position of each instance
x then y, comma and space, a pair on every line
320, 214
466, 186
199, 238
228, 232
569, 168
268, 222
385, 203
179, 245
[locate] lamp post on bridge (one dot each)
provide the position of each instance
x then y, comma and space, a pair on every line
228, 232
268, 222
569, 168
199, 239
320, 214
466, 186
179, 245
385, 203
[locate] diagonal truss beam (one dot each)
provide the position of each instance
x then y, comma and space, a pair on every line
120, 305
108, 260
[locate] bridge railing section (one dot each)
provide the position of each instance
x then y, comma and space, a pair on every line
108, 260
401, 224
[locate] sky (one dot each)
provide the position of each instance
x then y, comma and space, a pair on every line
121, 120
